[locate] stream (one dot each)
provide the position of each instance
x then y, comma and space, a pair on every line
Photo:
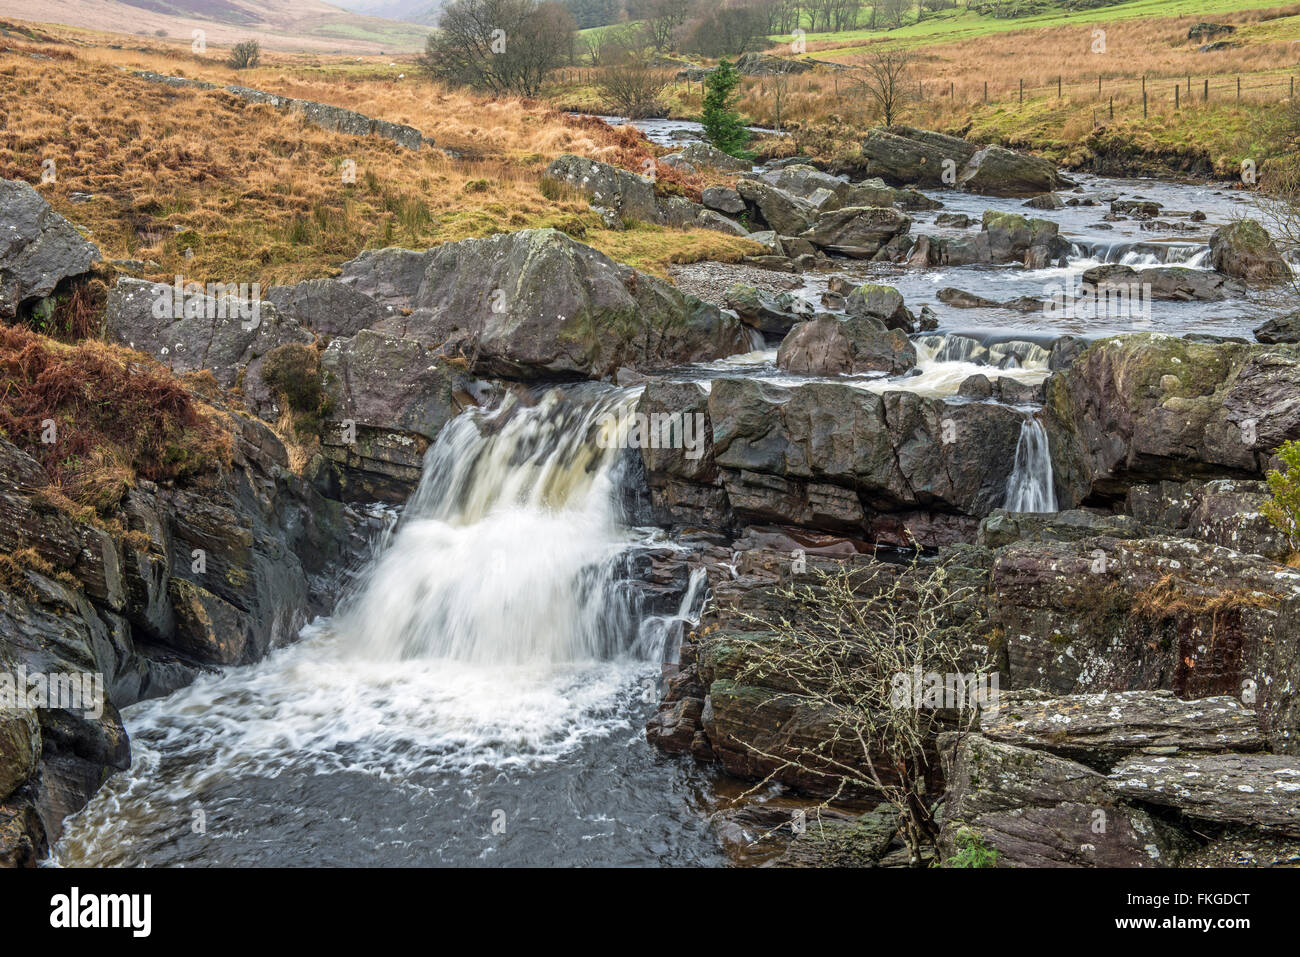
480, 695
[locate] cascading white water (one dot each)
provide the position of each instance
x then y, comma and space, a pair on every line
1031, 487
507, 552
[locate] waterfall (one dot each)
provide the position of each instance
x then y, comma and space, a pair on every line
511, 550
1031, 487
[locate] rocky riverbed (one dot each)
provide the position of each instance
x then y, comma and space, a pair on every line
439, 577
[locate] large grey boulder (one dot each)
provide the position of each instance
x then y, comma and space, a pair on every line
391, 277
904, 155
631, 196
996, 171
1244, 249
702, 154
859, 232
538, 304
38, 248
787, 214
830, 346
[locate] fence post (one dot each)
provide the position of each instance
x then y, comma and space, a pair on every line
1176, 91
1058, 86
1112, 107
986, 89
1022, 92
1206, 97
1144, 101
952, 90
1099, 84
1239, 88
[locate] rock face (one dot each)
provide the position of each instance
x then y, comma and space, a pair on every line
389, 399
1143, 408
1243, 249
787, 214
882, 303
38, 248
831, 346
1106, 614
175, 580
537, 304
1003, 238
833, 456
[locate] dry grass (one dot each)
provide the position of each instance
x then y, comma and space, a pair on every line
253, 195
96, 417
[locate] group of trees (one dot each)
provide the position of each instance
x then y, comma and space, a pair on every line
502, 46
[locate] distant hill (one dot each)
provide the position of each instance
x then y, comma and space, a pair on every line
277, 24
411, 11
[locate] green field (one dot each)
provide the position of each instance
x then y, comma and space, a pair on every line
954, 26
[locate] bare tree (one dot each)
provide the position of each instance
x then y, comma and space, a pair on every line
630, 84
865, 652
664, 20
505, 46
893, 11
886, 78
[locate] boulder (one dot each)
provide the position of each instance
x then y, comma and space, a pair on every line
883, 303
1282, 329
537, 304
772, 314
631, 196
724, 199
857, 231
1164, 282
39, 249
904, 155
1243, 249
784, 212
995, 171
831, 346
704, 155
